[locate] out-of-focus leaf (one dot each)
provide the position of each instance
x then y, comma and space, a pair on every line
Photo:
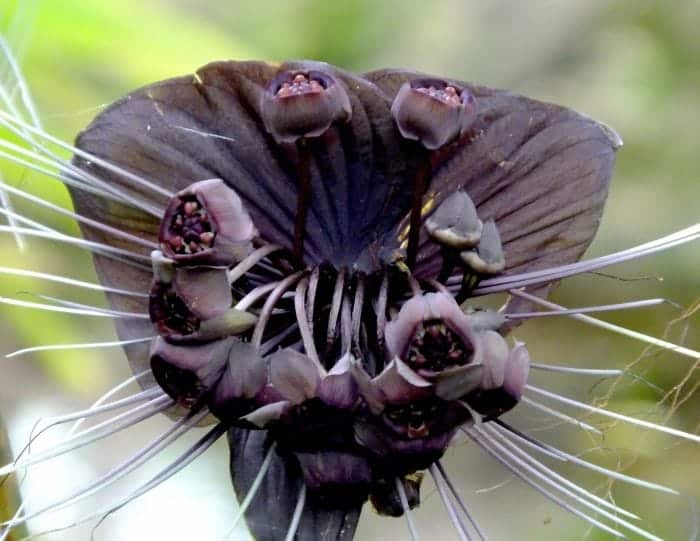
9, 491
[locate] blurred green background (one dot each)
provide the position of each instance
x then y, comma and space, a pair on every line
633, 64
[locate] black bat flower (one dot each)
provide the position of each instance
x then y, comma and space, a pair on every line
294, 255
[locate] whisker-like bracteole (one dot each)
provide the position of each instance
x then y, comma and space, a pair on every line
204, 443
79, 218
491, 450
459, 526
604, 372
119, 254
406, 509
589, 309
252, 491
296, 516
95, 433
119, 471
84, 345
614, 415
562, 416
25, 273
551, 451
514, 462
18, 218
681, 350
455, 494
119, 314
70, 310
13, 123
504, 283
494, 433
99, 402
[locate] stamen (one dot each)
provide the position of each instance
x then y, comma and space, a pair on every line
296, 517
614, 415
406, 509
477, 438
589, 309
252, 491
272, 299
254, 295
70, 281
335, 309
459, 501
357, 309
345, 325
560, 415
550, 450
532, 471
681, 350
454, 518
303, 321
251, 260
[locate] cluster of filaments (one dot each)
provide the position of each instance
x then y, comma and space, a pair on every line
363, 377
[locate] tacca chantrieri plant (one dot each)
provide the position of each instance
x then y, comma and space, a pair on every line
294, 256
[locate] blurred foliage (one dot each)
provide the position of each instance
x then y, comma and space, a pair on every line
634, 64
9, 493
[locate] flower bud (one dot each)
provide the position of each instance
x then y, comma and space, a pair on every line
433, 111
206, 224
455, 222
488, 256
303, 104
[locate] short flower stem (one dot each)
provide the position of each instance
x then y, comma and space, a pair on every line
303, 200
419, 185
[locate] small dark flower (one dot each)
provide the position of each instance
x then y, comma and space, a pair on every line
455, 222
206, 223
433, 111
303, 104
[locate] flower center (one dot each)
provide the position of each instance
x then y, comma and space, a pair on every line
301, 84
191, 227
435, 347
447, 95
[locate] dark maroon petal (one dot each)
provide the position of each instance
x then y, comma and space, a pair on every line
293, 375
271, 509
242, 379
189, 372
336, 475
399, 384
339, 388
205, 291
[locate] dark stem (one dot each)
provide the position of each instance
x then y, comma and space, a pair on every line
449, 260
304, 198
420, 184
